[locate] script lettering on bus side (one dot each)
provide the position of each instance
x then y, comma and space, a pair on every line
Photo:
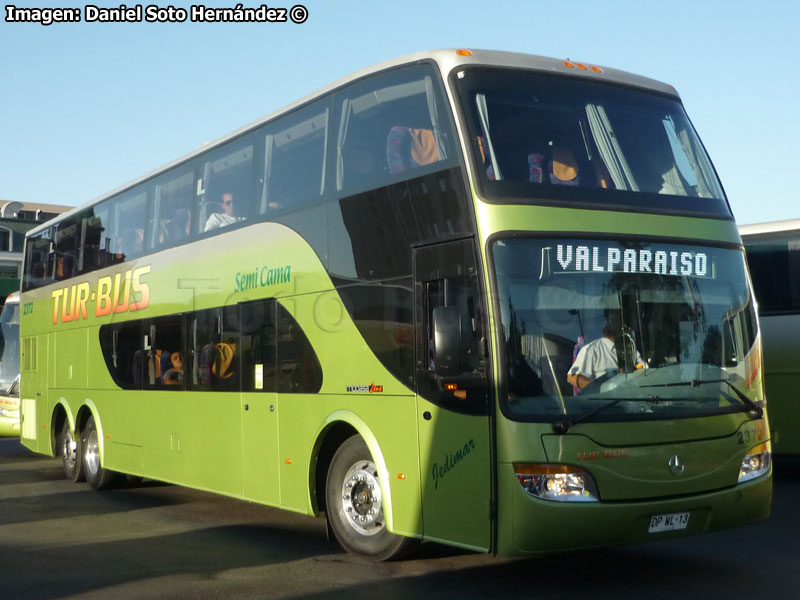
450, 462
118, 293
264, 276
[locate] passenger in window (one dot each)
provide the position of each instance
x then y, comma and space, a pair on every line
180, 225
598, 358
226, 217
408, 148
224, 363
216, 363
174, 375
562, 168
131, 242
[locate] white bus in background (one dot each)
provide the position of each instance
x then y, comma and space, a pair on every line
9, 366
773, 253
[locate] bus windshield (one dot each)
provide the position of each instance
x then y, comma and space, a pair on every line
9, 344
543, 138
665, 330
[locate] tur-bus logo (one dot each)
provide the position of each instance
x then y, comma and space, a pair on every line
118, 293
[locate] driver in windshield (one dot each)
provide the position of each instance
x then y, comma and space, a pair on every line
599, 357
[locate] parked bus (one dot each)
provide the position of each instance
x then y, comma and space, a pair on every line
9, 366
773, 253
373, 303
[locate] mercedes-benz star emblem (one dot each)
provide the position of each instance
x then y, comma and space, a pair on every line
676, 465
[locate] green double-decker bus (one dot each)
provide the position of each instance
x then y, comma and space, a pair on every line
487, 299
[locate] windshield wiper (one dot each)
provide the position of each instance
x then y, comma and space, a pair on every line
563, 424
754, 409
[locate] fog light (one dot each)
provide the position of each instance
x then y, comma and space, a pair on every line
756, 463
562, 483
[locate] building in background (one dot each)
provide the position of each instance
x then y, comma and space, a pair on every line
16, 218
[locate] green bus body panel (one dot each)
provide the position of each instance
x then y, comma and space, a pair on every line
260, 455
207, 439
522, 437
637, 472
71, 368
512, 217
455, 463
781, 371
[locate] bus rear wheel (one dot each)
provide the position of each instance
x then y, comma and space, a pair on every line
354, 504
71, 455
97, 477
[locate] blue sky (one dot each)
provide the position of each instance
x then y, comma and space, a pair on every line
86, 107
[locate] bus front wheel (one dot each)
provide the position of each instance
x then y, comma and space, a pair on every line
71, 453
354, 504
96, 475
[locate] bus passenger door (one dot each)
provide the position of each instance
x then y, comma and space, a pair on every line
259, 406
452, 409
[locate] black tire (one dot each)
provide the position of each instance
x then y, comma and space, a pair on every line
70, 449
354, 510
96, 476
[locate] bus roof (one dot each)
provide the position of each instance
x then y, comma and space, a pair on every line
755, 229
447, 60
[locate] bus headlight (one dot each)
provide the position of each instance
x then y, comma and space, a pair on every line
756, 463
557, 482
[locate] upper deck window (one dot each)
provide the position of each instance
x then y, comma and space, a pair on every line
547, 139
392, 125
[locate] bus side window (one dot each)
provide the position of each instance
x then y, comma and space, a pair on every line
129, 216
775, 268
174, 199
298, 370
294, 159
163, 341
224, 193
121, 345
95, 249
63, 261
257, 345
390, 126
214, 349
451, 362
37, 250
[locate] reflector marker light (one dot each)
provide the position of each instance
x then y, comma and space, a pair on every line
572, 65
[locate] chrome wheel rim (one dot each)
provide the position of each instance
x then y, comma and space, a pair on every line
69, 450
91, 454
361, 498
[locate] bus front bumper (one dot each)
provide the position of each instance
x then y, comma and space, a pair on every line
529, 525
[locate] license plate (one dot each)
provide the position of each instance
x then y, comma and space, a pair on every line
672, 522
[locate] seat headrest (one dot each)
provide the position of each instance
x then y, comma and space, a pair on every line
565, 166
